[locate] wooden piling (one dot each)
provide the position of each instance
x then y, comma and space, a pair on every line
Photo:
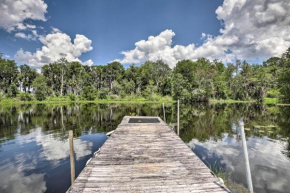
164, 118
72, 156
178, 117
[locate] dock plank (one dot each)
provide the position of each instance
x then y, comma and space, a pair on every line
146, 157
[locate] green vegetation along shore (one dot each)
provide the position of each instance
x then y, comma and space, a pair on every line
189, 81
64, 100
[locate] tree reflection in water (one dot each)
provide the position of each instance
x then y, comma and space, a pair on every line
34, 146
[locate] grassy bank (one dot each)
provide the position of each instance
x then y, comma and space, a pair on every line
59, 100
64, 100
228, 101
267, 101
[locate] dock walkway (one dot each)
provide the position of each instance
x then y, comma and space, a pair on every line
146, 157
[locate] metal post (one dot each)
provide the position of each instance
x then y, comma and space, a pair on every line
164, 118
248, 170
178, 117
72, 157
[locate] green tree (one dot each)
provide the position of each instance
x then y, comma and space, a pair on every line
40, 88
8, 74
12, 90
26, 77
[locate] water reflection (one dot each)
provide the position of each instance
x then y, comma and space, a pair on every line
34, 147
18, 182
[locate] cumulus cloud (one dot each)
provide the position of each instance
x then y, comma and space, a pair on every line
56, 46
252, 30
88, 62
14, 13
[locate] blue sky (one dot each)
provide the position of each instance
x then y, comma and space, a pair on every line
115, 26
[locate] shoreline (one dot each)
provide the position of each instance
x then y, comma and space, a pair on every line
67, 101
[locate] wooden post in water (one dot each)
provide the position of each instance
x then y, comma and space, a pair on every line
178, 117
248, 170
72, 156
164, 118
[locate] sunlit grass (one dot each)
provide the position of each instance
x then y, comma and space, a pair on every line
271, 100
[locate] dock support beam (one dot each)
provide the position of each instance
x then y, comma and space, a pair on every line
248, 170
72, 156
178, 117
164, 118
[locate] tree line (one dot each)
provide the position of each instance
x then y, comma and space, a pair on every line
189, 81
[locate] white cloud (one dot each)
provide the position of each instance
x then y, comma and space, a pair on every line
252, 29
88, 62
56, 46
17, 181
230, 153
55, 30
33, 36
13, 13
55, 149
116, 60
21, 35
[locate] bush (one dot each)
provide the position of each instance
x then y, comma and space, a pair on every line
40, 94
103, 93
273, 93
89, 93
155, 97
26, 97
167, 98
72, 97
114, 97
199, 95
12, 90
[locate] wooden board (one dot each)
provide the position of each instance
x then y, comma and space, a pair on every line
147, 157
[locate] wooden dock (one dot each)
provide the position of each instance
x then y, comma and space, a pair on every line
146, 157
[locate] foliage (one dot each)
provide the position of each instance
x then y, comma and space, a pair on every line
103, 92
72, 97
8, 74
41, 90
189, 81
26, 97
89, 93
12, 91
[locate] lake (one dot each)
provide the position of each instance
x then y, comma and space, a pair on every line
34, 147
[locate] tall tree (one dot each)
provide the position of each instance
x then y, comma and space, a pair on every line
26, 77
8, 74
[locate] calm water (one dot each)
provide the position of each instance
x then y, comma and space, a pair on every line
34, 149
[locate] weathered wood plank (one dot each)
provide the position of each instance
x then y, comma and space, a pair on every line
146, 157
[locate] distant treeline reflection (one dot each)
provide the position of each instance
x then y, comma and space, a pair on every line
202, 122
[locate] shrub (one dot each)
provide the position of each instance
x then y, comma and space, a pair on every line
40, 94
273, 93
12, 90
103, 93
26, 97
72, 97
199, 95
89, 93
114, 97
167, 98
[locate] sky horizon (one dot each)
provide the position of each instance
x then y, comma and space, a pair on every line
96, 32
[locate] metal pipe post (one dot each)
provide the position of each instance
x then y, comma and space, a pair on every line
248, 170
